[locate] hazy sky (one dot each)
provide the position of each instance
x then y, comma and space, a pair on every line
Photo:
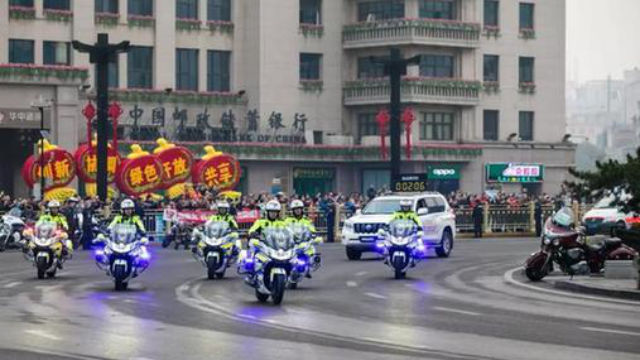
603, 37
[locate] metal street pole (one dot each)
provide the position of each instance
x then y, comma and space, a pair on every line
101, 53
395, 68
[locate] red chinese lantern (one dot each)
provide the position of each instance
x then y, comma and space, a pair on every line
87, 163
383, 119
89, 112
115, 111
407, 118
139, 175
176, 165
59, 169
221, 172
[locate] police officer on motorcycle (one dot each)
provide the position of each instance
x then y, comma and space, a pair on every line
127, 216
298, 218
224, 215
272, 219
406, 213
53, 215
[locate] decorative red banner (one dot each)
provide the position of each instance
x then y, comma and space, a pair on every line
383, 119
59, 168
87, 163
221, 172
407, 118
139, 175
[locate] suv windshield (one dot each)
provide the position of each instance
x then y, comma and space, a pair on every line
382, 206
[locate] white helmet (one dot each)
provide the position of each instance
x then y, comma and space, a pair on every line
127, 204
222, 205
53, 204
406, 203
273, 206
296, 204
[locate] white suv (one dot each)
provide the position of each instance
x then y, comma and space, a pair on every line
359, 232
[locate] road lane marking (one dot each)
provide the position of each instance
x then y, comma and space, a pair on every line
43, 334
352, 284
611, 331
361, 273
12, 284
456, 311
376, 296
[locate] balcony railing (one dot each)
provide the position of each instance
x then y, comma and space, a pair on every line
413, 90
411, 31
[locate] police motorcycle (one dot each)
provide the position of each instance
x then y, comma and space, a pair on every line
401, 246
11, 227
307, 259
216, 247
44, 248
124, 255
271, 267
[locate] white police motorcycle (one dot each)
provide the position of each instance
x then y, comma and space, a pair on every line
11, 227
217, 247
401, 246
307, 259
124, 256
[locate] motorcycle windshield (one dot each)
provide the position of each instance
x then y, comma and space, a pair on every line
278, 238
300, 232
216, 229
563, 217
15, 212
46, 229
402, 228
123, 233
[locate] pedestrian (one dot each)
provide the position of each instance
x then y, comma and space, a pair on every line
478, 218
371, 192
537, 214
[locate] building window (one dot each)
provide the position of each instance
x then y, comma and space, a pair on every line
310, 12
526, 70
21, 51
367, 125
107, 6
491, 68
491, 125
439, 66
23, 3
491, 13
219, 10
437, 9
187, 69
57, 4
140, 67
371, 67
140, 7
380, 10
187, 9
310, 66
56, 53
526, 16
218, 70
526, 126
436, 126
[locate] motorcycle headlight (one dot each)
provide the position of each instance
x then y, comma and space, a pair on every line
281, 254
121, 248
399, 240
212, 241
547, 241
556, 242
44, 242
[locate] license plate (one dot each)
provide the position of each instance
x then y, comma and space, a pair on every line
368, 238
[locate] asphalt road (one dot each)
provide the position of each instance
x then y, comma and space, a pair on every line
463, 307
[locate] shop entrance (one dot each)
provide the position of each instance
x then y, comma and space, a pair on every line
15, 147
311, 181
443, 178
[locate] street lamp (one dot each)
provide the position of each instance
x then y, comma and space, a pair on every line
41, 103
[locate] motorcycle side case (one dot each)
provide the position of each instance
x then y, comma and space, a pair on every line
622, 253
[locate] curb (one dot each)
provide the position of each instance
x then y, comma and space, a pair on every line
596, 290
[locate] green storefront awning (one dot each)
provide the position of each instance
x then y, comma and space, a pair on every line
444, 172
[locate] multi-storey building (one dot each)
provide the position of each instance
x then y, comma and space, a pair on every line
292, 87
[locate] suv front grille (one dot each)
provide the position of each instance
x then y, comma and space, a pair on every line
366, 228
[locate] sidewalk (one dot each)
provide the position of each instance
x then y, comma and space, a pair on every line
621, 289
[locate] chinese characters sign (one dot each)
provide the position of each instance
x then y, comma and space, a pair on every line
176, 165
515, 173
58, 165
87, 161
220, 172
139, 175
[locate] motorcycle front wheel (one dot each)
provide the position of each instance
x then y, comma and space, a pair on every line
536, 273
398, 265
121, 285
277, 288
